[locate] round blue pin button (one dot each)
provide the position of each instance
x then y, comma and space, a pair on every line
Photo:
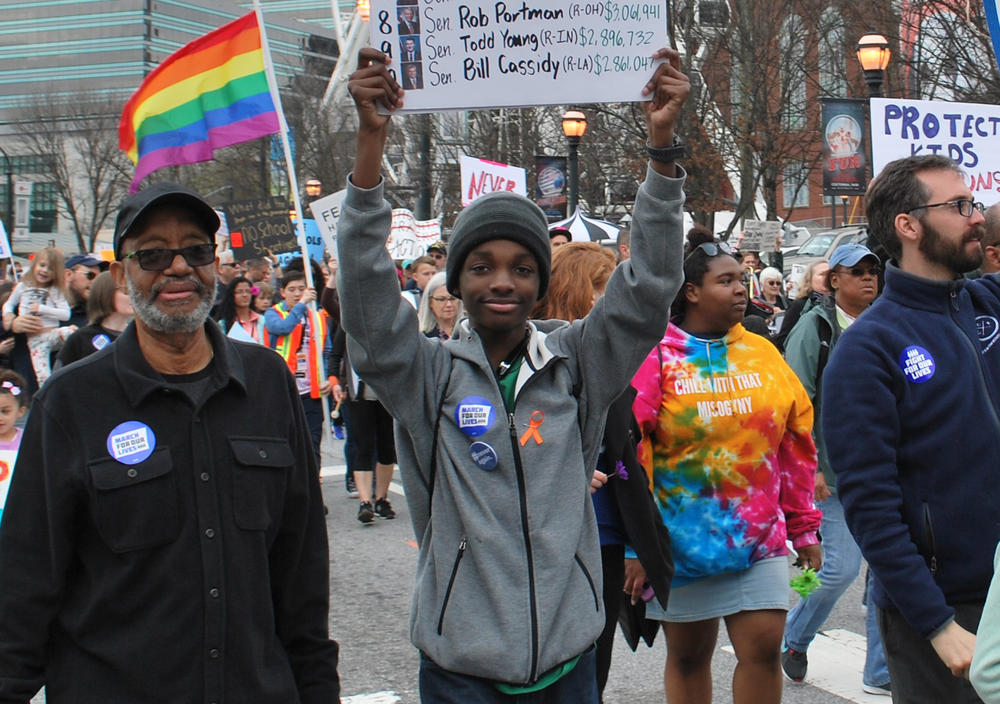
483, 455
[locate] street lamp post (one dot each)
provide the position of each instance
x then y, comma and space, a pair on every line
313, 188
10, 193
574, 126
843, 200
873, 55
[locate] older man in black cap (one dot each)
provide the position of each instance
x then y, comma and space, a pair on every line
164, 536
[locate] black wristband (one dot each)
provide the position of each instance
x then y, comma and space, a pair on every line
666, 155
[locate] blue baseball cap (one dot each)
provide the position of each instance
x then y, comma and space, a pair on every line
851, 254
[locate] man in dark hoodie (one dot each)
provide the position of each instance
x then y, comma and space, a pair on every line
909, 377
499, 428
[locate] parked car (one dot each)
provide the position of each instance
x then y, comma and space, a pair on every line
821, 246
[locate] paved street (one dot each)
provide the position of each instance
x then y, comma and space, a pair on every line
371, 574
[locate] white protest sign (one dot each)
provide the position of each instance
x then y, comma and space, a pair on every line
760, 235
7, 459
467, 54
326, 212
4, 244
968, 133
409, 238
480, 177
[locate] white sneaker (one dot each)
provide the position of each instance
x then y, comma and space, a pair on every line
884, 690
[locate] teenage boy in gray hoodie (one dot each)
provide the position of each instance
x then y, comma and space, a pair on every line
499, 428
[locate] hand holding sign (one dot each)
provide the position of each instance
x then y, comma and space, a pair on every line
370, 85
669, 88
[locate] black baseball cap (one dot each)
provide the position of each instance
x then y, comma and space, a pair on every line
162, 193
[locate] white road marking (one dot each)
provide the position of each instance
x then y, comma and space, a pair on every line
373, 698
339, 470
836, 661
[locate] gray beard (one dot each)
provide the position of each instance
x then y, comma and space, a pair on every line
157, 320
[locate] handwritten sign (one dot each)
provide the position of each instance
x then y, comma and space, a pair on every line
480, 177
461, 54
968, 133
760, 235
409, 238
258, 226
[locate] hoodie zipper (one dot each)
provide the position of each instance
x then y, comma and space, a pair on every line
929, 530
523, 499
451, 584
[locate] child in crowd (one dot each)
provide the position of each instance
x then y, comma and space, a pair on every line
42, 292
264, 297
13, 404
499, 427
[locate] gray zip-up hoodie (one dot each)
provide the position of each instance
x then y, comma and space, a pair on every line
509, 569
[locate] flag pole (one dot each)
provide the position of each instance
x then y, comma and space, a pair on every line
293, 183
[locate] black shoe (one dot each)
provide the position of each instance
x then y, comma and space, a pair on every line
794, 664
365, 512
352, 489
384, 509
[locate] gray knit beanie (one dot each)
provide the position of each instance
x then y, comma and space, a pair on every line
500, 216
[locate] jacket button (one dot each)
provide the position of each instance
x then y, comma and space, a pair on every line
213, 653
214, 593
263, 453
209, 533
132, 473
204, 476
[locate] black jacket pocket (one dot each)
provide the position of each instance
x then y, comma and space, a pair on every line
136, 506
259, 478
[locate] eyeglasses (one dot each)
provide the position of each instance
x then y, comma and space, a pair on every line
964, 206
443, 299
89, 275
858, 272
159, 259
773, 282
712, 249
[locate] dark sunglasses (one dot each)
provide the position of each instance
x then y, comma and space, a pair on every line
159, 259
89, 275
858, 272
712, 249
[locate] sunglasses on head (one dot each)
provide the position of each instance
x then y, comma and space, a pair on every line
159, 259
712, 249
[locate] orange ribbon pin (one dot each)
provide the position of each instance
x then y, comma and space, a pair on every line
532, 432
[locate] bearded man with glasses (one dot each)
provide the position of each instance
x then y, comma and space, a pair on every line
903, 387
164, 537
81, 270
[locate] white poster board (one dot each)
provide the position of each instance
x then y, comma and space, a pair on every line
968, 133
467, 54
480, 177
409, 238
760, 235
326, 212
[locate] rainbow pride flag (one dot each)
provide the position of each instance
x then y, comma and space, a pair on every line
212, 93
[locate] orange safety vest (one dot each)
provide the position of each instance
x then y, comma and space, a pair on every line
288, 345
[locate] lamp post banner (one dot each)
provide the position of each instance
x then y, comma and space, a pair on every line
550, 185
844, 152
993, 22
473, 54
965, 132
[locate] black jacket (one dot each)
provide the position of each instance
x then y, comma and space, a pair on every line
199, 573
641, 519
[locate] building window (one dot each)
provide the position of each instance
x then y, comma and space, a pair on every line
793, 73
795, 185
832, 63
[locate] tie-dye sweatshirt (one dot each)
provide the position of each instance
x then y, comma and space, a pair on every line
733, 462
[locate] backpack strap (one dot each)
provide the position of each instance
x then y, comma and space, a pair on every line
825, 337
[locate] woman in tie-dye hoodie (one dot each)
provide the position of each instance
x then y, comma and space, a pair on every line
727, 440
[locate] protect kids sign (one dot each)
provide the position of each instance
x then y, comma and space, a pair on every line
968, 133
